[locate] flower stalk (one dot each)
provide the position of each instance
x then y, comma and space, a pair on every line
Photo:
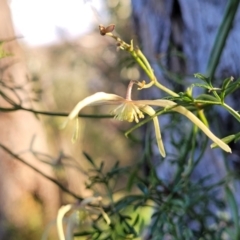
130, 110
139, 58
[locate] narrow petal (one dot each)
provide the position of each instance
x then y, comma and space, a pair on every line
189, 115
150, 111
61, 212
96, 98
202, 126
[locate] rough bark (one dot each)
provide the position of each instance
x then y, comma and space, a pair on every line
18, 183
190, 26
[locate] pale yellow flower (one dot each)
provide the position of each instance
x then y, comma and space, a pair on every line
130, 111
80, 215
126, 111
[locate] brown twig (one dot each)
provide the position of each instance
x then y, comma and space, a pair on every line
15, 156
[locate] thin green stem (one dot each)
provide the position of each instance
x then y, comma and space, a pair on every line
232, 111
143, 62
165, 89
144, 59
207, 102
142, 65
203, 117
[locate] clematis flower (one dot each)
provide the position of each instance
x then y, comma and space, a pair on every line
129, 110
82, 215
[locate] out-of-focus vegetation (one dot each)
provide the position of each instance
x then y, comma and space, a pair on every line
110, 185
71, 70
61, 75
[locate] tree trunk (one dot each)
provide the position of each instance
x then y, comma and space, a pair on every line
189, 27
18, 183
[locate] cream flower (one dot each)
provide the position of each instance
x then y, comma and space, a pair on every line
127, 110
82, 214
130, 111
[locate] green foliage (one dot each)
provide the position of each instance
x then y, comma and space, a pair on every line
222, 35
136, 202
176, 209
179, 208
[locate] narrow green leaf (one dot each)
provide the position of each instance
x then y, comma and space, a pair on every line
226, 82
233, 87
206, 86
143, 188
221, 37
136, 220
131, 180
237, 137
225, 85
202, 77
89, 159
227, 140
84, 233
234, 210
207, 97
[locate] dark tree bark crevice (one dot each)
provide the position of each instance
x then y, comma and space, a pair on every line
191, 27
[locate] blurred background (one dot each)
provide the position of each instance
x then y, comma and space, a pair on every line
67, 60
62, 58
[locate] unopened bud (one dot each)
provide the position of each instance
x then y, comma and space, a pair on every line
103, 30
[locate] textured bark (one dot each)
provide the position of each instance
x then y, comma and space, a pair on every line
18, 183
190, 26
193, 27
